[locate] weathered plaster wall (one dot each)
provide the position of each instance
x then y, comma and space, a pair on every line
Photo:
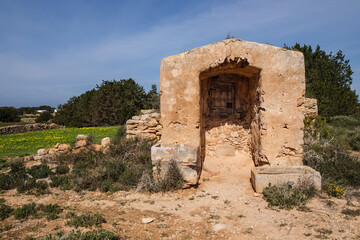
277, 126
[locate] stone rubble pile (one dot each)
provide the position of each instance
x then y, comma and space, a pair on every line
83, 145
27, 128
147, 124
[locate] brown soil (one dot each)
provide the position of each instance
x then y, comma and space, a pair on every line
222, 207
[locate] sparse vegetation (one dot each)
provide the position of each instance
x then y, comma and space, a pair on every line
330, 157
86, 220
99, 234
288, 197
5, 210
25, 211
350, 212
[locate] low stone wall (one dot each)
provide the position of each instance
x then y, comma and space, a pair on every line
311, 107
27, 128
147, 124
83, 144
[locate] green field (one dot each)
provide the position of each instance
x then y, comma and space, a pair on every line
22, 144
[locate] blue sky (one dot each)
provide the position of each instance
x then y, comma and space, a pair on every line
52, 50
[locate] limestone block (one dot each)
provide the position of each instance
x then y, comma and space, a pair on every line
81, 143
152, 123
105, 142
42, 152
190, 176
64, 147
261, 177
83, 137
97, 147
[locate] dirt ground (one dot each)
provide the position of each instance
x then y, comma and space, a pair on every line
224, 206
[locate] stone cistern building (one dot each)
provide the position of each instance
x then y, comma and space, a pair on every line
229, 97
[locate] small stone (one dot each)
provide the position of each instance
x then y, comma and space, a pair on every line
81, 143
41, 152
82, 137
218, 227
97, 147
257, 194
147, 220
105, 142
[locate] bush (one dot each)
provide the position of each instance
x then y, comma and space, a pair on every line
99, 234
9, 114
51, 211
5, 210
62, 168
287, 197
25, 211
334, 162
172, 180
336, 190
86, 220
39, 171
44, 117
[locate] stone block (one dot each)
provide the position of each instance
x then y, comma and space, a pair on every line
105, 142
83, 137
261, 177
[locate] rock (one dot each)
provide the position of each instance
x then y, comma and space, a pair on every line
147, 220
105, 142
64, 147
42, 152
152, 123
190, 175
81, 143
83, 137
28, 158
257, 194
218, 227
106, 150
97, 147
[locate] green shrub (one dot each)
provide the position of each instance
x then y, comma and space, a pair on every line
62, 169
86, 220
334, 163
51, 211
172, 180
25, 211
6, 227
62, 181
39, 171
44, 117
287, 197
5, 210
6, 181
9, 114
99, 234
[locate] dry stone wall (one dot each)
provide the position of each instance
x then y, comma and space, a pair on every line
27, 128
311, 107
83, 144
147, 124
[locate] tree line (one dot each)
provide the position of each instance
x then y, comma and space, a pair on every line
110, 103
